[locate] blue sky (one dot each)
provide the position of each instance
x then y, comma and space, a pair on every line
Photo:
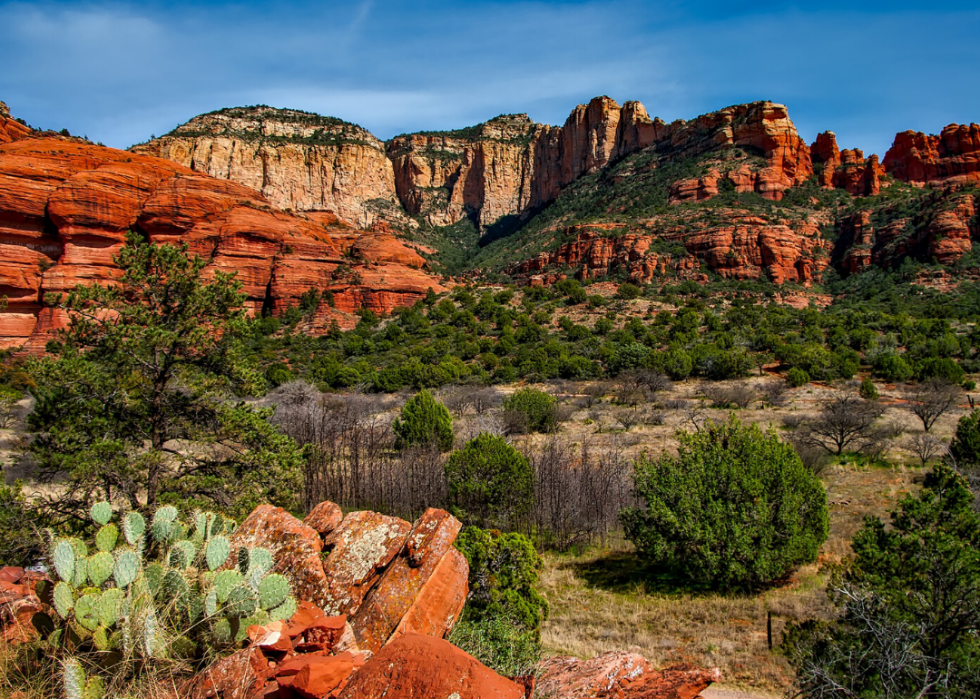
119, 72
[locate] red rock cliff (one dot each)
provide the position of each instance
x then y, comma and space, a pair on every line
65, 207
920, 159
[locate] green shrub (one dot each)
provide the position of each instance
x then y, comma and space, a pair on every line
19, 543
537, 408
424, 421
277, 374
969, 385
629, 291
908, 605
503, 573
892, 367
736, 508
490, 482
868, 390
797, 377
965, 447
946, 369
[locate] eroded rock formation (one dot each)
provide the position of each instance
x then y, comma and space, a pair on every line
65, 207
746, 246
846, 169
953, 155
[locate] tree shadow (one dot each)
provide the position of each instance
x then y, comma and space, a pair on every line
624, 572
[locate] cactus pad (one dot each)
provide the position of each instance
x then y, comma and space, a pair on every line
242, 601
188, 552
167, 513
81, 570
73, 679
100, 637
175, 587
133, 526
87, 611
101, 513
211, 604
285, 611
94, 688
63, 558
126, 568
225, 582
152, 644
154, 578
100, 567
273, 591
218, 551
161, 531
64, 599
223, 631
261, 561
112, 606
106, 538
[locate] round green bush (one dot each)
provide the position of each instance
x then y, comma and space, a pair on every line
490, 482
277, 374
797, 377
423, 421
868, 390
537, 407
736, 508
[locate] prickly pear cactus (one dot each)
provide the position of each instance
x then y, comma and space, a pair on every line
145, 591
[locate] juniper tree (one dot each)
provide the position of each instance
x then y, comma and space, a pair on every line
139, 403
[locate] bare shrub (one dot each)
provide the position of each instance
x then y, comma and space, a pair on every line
594, 393
774, 393
485, 399
626, 418
794, 420
844, 423
578, 492
457, 400
879, 438
351, 458
677, 404
813, 457
654, 417
640, 385
739, 394
696, 414
515, 422
931, 399
925, 446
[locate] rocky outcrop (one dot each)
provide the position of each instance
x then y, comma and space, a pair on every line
65, 207
618, 675
942, 232
415, 666
953, 155
296, 160
847, 169
745, 247
10, 130
386, 575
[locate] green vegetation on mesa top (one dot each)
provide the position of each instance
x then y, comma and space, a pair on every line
328, 131
477, 132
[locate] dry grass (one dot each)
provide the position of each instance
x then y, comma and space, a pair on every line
604, 600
